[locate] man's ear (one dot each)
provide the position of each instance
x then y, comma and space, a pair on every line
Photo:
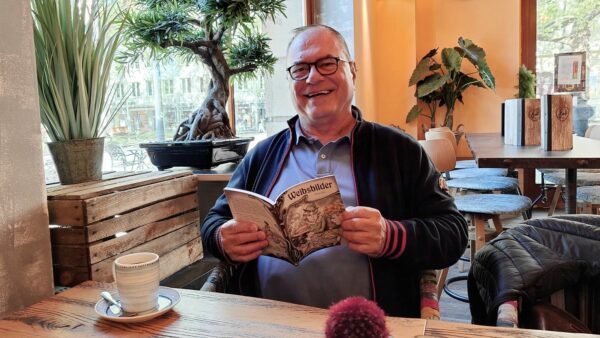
353, 69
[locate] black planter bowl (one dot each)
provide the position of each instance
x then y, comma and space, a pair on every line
202, 154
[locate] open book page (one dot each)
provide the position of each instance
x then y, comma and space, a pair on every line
311, 214
252, 207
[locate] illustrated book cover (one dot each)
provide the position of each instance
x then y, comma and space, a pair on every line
302, 219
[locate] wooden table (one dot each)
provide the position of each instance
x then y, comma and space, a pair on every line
490, 151
203, 314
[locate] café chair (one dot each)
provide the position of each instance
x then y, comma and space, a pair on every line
221, 275
478, 208
585, 178
462, 169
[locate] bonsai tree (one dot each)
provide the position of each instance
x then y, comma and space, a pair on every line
526, 84
441, 84
222, 34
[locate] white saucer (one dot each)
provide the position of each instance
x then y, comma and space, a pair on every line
167, 298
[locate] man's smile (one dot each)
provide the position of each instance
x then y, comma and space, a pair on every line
318, 93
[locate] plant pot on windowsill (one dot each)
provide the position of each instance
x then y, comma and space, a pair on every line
202, 154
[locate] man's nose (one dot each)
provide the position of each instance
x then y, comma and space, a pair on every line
313, 74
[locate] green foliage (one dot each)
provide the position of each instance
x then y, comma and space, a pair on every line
252, 51
566, 25
442, 84
74, 50
526, 83
202, 30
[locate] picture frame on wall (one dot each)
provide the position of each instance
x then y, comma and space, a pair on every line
569, 72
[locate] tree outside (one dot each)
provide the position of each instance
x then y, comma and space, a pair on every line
569, 26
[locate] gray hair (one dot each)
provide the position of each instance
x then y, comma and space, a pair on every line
338, 36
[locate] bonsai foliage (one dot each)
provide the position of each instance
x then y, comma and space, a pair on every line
526, 83
442, 84
75, 44
219, 33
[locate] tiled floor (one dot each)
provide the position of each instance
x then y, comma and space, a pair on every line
456, 311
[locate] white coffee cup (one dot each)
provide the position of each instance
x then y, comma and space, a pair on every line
137, 276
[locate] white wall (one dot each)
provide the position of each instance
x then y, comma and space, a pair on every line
25, 258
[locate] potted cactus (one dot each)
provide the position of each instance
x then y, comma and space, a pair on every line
522, 115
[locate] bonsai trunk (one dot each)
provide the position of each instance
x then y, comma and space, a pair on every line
210, 120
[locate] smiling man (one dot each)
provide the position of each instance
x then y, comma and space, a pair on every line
398, 221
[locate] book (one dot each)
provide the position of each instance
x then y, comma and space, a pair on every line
304, 218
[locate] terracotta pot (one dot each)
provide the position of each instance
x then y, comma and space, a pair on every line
78, 160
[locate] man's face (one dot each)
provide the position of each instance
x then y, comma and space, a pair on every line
321, 96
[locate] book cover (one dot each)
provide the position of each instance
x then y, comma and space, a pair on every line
302, 219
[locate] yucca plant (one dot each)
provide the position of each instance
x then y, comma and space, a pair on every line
222, 34
75, 45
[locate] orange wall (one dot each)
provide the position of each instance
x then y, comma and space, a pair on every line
399, 32
385, 54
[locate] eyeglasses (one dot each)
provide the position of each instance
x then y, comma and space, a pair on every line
325, 66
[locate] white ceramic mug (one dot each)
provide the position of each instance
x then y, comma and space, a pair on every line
137, 276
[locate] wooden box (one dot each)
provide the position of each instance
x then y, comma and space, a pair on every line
521, 124
94, 222
557, 122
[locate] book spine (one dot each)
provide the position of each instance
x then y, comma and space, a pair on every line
521, 131
548, 122
502, 119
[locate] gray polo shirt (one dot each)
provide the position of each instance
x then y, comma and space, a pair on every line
331, 274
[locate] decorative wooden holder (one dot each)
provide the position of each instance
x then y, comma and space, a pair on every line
557, 122
521, 123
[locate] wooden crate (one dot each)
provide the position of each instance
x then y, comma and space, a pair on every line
94, 222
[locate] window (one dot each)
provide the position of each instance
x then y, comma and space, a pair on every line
135, 89
174, 89
338, 14
570, 26
186, 85
149, 88
167, 87
119, 90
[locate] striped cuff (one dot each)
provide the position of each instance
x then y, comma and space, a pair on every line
218, 239
395, 242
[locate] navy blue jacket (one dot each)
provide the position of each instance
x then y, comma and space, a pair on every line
393, 174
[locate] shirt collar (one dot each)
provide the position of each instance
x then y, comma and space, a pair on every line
300, 135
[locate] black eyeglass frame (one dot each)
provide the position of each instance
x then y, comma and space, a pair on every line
310, 64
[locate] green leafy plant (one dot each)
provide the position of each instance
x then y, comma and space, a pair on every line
442, 84
222, 34
75, 45
526, 85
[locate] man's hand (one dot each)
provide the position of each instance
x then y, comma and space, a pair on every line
365, 230
242, 241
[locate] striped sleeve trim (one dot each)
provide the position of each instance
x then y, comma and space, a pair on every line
395, 242
218, 238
